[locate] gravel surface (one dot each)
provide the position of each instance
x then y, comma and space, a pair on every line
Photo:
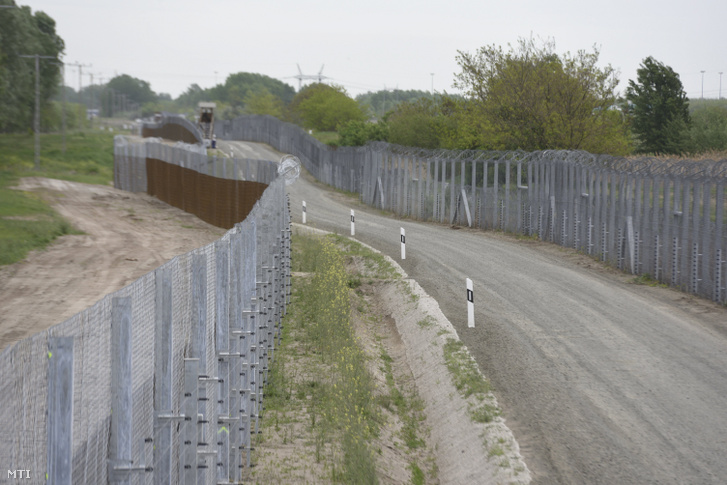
601, 380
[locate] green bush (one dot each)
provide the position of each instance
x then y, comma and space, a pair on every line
358, 133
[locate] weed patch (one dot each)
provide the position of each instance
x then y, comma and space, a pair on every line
647, 280
26, 222
469, 382
336, 391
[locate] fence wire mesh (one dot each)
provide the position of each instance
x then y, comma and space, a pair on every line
201, 332
665, 218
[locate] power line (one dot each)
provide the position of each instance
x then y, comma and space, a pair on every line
80, 75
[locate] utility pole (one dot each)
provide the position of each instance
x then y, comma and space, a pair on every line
80, 75
36, 122
720, 85
702, 83
102, 96
432, 83
93, 99
63, 116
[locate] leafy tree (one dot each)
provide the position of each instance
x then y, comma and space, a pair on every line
136, 90
415, 124
467, 128
425, 123
193, 95
381, 102
358, 133
709, 128
322, 107
533, 99
52, 116
242, 92
659, 109
23, 32
263, 102
239, 85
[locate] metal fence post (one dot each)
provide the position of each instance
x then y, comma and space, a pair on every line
163, 378
237, 356
718, 278
222, 347
251, 381
631, 240
205, 413
121, 398
694, 281
188, 453
60, 410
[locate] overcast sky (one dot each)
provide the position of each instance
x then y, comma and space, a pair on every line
375, 44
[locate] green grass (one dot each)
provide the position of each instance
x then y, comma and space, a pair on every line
26, 222
89, 156
469, 381
326, 137
320, 376
646, 280
375, 264
427, 322
337, 393
417, 475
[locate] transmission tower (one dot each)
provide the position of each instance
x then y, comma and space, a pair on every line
315, 77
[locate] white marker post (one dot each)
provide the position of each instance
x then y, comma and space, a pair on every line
470, 305
353, 226
403, 244
303, 212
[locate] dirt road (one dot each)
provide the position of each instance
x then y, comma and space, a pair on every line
125, 236
601, 380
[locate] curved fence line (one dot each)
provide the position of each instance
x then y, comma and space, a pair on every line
663, 218
173, 127
130, 155
161, 381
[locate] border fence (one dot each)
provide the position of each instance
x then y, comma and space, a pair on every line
663, 218
160, 382
218, 190
173, 127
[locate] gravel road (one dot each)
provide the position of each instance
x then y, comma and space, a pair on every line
601, 380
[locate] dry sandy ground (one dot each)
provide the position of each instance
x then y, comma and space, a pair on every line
125, 236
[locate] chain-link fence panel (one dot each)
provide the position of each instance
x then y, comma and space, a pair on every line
161, 381
661, 218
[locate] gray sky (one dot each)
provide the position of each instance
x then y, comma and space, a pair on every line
372, 44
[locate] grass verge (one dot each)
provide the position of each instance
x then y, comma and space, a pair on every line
332, 386
26, 221
336, 410
468, 380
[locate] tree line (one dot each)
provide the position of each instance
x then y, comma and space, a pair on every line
531, 98
523, 97
527, 97
22, 34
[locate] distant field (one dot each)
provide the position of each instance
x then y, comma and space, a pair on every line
326, 136
26, 222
